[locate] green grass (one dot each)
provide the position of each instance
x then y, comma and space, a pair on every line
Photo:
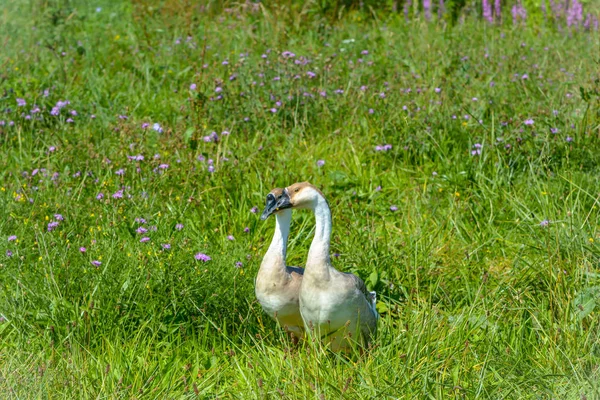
478, 299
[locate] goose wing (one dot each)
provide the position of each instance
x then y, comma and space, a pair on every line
370, 297
295, 270
358, 283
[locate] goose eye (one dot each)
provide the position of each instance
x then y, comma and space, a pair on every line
270, 197
296, 190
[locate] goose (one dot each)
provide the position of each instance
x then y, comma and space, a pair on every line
334, 305
277, 286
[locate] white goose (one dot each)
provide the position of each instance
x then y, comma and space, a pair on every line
277, 286
335, 306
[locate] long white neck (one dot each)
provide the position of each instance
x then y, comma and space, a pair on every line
275, 256
318, 261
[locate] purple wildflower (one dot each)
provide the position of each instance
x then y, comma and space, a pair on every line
528, 122
487, 11
393, 208
179, 227
202, 257
238, 264
157, 127
82, 249
518, 12
544, 223
96, 263
166, 246
144, 239
59, 217
246, 230
320, 163
21, 102
230, 237
9, 253
427, 8
254, 210
118, 194
52, 225
141, 230
12, 238
193, 86
569, 139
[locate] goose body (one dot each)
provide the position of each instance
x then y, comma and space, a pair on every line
334, 305
277, 286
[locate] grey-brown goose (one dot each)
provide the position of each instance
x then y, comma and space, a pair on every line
335, 306
277, 286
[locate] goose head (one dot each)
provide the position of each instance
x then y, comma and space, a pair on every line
271, 203
301, 195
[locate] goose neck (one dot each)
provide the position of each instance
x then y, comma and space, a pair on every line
318, 254
278, 245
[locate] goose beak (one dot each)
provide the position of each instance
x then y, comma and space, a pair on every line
269, 207
284, 201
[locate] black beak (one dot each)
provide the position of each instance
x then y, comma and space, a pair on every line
270, 206
283, 202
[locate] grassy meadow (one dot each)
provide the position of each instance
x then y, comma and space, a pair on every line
461, 162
